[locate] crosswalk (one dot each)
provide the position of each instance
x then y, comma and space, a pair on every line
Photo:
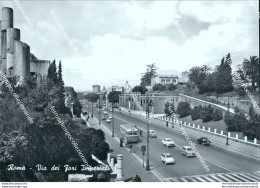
219, 177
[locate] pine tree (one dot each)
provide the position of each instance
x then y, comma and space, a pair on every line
52, 72
223, 78
149, 74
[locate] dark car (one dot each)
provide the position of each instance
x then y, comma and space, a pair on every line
203, 140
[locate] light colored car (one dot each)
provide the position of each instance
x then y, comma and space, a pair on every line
110, 110
110, 117
105, 112
152, 134
103, 109
168, 142
108, 120
188, 151
167, 158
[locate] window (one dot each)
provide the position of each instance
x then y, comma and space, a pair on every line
162, 81
168, 81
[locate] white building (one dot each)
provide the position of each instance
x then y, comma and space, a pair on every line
165, 80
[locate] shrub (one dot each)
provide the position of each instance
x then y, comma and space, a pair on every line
167, 105
183, 109
159, 87
217, 115
206, 114
195, 113
172, 87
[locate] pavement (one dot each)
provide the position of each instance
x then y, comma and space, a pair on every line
132, 164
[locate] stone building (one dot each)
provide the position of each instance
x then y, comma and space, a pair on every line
96, 88
15, 57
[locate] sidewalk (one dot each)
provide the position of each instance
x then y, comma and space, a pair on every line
241, 147
131, 164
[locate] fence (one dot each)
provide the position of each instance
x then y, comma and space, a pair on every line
214, 132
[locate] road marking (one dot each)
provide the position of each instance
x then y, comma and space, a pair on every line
181, 147
139, 159
218, 177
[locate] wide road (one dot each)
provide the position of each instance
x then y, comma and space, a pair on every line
217, 157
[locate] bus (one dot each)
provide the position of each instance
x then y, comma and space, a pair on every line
105, 115
129, 133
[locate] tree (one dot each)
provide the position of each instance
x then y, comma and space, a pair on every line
151, 72
159, 87
113, 97
236, 123
251, 68
223, 78
166, 109
217, 115
52, 72
195, 113
140, 88
92, 97
206, 113
194, 73
183, 109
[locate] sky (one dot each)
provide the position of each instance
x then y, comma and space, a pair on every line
109, 42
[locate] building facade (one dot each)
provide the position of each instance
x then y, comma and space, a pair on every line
96, 88
15, 57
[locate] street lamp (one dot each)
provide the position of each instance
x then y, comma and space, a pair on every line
92, 109
72, 109
113, 126
148, 103
99, 112
227, 125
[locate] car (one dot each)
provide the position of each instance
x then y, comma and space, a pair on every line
188, 151
152, 134
203, 140
105, 112
167, 158
110, 110
103, 118
108, 120
103, 109
168, 142
110, 117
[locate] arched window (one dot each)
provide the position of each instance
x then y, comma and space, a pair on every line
162, 81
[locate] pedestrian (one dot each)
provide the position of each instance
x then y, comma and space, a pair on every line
166, 123
139, 179
140, 132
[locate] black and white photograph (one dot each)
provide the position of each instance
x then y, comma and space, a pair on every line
123, 91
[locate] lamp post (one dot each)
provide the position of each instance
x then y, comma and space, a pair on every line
72, 109
99, 111
148, 124
227, 126
113, 126
92, 109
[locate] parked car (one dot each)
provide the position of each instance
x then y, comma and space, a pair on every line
152, 134
110, 110
203, 140
103, 109
110, 117
188, 151
105, 112
167, 158
108, 120
168, 142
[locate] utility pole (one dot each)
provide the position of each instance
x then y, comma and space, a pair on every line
99, 112
92, 108
227, 125
147, 156
113, 126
